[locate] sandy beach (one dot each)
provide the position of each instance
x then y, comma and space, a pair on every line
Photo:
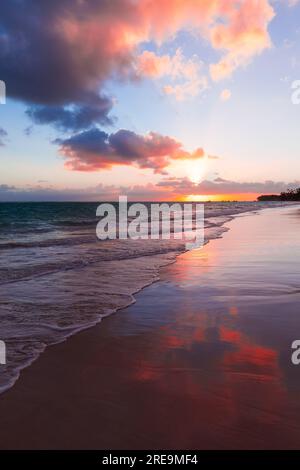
202, 360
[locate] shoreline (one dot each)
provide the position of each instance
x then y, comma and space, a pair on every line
30, 294
81, 381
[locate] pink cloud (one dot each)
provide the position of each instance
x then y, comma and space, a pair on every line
94, 150
220, 186
244, 36
104, 40
225, 95
78, 45
185, 75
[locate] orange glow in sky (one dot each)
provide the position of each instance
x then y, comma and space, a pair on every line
221, 197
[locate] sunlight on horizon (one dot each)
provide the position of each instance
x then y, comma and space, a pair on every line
221, 197
195, 170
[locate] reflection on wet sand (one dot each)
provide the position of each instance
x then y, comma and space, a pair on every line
218, 375
200, 361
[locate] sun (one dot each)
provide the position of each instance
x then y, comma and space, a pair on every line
195, 170
201, 197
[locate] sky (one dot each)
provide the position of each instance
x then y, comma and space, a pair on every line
168, 100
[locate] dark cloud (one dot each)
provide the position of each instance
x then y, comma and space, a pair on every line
100, 192
55, 51
5, 188
167, 190
28, 131
56, 55
50, 54
74, 117
3, 134
223, 186
94, 150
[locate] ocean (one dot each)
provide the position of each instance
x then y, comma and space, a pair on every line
57, 278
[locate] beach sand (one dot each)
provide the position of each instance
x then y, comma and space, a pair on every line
202, 360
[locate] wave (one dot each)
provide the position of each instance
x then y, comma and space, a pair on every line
52, 288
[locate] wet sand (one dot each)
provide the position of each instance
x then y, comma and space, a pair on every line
202, 360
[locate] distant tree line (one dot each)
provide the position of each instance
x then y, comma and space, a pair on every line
289, 195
